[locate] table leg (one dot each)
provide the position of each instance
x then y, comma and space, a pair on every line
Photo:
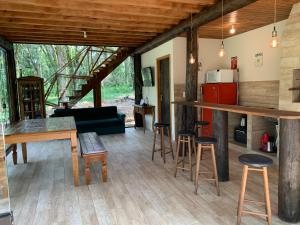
289, 171
153, 119
144, 124
74, 157
220, 131
24, 152
15, 154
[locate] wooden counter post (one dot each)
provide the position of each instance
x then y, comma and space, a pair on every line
289, 171
220, 131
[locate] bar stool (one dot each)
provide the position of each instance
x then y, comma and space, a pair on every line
206, 143
200, 124
257, 163
185, 138
159, 128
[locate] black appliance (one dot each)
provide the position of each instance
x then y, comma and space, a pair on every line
240, 132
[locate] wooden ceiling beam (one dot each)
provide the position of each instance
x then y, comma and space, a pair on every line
85, 19
73, 35
46, 41
5, 26
203, 17
62, 37
88, 22
134, 4
90, 14
92, 8
58, 23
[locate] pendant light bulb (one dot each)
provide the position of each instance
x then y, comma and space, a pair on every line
192, 59
84, 34
232, 30
275, 41
222, 52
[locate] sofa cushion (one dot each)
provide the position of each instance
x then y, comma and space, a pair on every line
99, 123
83, 114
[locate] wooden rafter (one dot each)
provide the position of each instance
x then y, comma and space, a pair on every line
203, 17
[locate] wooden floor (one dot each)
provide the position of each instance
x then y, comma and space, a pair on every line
138, 190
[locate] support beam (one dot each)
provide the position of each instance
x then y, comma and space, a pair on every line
289, 171
11, 79
97, 95
220, 132
205, 16
191, 81
138, 82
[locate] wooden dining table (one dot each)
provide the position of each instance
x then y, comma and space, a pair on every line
289, 151
36, 130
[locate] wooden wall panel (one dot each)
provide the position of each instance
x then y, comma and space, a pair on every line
259, 93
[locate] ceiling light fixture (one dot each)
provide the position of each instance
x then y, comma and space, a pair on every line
192, 59
275, 40
84, 34
222, 52
232, 30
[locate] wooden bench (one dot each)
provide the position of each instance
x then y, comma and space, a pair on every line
92, 149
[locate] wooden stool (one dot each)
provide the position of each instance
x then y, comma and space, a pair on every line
257, 163
199, 124
206, 143
159, 128
185, 137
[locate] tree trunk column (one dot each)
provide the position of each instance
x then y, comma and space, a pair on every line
191, 82
97, 95
220, 130
138, 82
289, 171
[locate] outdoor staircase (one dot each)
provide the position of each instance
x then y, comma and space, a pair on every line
98, 70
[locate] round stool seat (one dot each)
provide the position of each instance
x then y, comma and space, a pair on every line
255, 160
161, 125
201, 123
206, 140
186, 133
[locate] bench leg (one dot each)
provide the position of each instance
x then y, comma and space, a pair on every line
87, 172
15, 155
104, 171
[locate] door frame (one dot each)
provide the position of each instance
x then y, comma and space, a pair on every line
158, 91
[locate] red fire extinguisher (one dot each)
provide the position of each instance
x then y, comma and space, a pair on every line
264, 141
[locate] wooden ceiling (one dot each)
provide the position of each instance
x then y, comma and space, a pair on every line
258, 14
119, 22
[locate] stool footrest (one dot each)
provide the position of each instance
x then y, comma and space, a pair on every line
254, 213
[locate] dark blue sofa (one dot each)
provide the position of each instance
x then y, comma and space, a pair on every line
102, 120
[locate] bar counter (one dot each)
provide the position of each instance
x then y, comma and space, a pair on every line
289, 151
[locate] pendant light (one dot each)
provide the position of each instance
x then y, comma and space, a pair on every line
222, 52
275, 42
232, 30
192, 59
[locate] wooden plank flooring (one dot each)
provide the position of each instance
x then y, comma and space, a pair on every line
138, 190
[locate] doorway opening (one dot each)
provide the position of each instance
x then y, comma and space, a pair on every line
163, 89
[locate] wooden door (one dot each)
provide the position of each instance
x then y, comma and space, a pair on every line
164, 113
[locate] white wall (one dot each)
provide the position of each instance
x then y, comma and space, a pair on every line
246, 45
149, 59
207, 54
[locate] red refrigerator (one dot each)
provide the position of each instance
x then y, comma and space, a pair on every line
221, 93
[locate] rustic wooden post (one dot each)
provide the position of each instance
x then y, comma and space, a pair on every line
11, 79
138, 82
97, 95
220, 131
191, 81
289, 171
